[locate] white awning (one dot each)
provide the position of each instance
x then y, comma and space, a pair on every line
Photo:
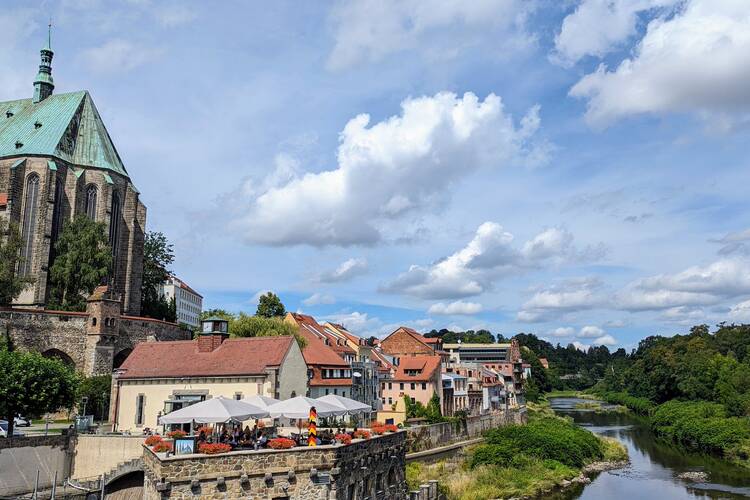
299, 407
351, 406
216, 410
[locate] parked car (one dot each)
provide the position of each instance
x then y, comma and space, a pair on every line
22, 422
4, 430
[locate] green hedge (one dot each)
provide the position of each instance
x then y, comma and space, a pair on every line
545, 439
641, 406
703, 426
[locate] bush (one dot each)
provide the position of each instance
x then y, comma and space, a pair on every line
704, 427
344, 438
214, 448
162, 446
641, 406
152, 440
362, 434
281, 443
545, 439
176, 434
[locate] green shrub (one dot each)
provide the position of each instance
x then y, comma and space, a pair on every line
544, 438
703, 426
641, 406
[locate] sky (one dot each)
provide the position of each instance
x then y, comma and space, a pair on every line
574, 169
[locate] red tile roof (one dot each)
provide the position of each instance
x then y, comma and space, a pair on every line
317, 352
426, 364
185, 286
181, 358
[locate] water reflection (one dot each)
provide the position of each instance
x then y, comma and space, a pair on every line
654, 465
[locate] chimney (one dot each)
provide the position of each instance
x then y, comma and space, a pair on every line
214, 331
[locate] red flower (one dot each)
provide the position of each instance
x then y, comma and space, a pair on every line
152, 440
378, 430
176, 434
281, 443
162, 446
344, 438
362, 434
205, 429
390, 428
214, 448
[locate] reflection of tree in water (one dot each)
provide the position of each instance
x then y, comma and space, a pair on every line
635, 432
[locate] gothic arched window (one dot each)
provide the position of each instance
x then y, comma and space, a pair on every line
114, 226
31, 206
57, 212
91, 195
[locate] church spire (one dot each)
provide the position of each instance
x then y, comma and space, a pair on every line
44, 85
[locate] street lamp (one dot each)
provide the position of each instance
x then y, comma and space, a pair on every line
84, 400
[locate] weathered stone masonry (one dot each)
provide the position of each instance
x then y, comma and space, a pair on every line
94, 342
372, 468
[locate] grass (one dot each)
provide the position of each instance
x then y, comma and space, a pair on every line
613, 450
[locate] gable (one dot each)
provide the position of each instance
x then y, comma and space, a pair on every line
402, 341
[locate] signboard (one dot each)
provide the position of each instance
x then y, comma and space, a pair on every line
184, 446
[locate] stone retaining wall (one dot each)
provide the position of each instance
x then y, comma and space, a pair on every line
424, 437
371, 468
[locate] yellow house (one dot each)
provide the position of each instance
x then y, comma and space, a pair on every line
160, 377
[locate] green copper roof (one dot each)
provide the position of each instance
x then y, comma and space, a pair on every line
66, 126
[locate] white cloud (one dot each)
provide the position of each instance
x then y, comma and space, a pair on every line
580, 346
607, 340
695, 286
696, 61
15, 26
255, 299
683, 315
457, 307
735, 243
567, 296
489, 256
740, 311
119, 55
590, 331
563, 331
347, 270
369, 30
387, 171
598, 26
318, 299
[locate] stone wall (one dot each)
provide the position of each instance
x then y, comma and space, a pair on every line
21, 458
70, 336
371, 468
94, 455
424, 437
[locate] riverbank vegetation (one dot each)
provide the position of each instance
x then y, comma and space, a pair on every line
519, 460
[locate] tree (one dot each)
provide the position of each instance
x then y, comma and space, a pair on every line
83, 262
11, 285
31, 384
244, 325
270, 306
96, 389
433, 412
158, 255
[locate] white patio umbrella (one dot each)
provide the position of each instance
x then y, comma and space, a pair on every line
299, 407
215, 410
260, 401
352, 406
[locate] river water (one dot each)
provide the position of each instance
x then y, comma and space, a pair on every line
654, 465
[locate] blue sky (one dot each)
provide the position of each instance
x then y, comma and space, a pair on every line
574, 169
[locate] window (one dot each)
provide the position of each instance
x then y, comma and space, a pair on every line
327, 392
114, 226
57, 211
401, 386
336, 392
92, 194
424, 386
390, 385
140, 403
412, 386
29, 223
237, 396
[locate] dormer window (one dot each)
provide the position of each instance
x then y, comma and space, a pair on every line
19, 144
8, 114
37, 125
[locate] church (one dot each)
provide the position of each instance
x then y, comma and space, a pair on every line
57, 160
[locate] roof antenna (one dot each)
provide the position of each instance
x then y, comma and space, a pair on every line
49, 33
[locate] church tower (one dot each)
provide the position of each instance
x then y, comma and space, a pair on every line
44, 85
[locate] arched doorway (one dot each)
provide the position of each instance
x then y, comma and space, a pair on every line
120, 358
58, 354
127, 487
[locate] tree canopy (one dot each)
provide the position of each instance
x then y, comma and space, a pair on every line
158, 256
244, 325
83, 261
32, 385
270, 306
11, 284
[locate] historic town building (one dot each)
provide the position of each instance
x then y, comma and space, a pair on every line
57, 161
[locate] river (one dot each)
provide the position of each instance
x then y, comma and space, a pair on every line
654, 465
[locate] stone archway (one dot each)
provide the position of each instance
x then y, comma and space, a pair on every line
126, 487
58, 354
120, 357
